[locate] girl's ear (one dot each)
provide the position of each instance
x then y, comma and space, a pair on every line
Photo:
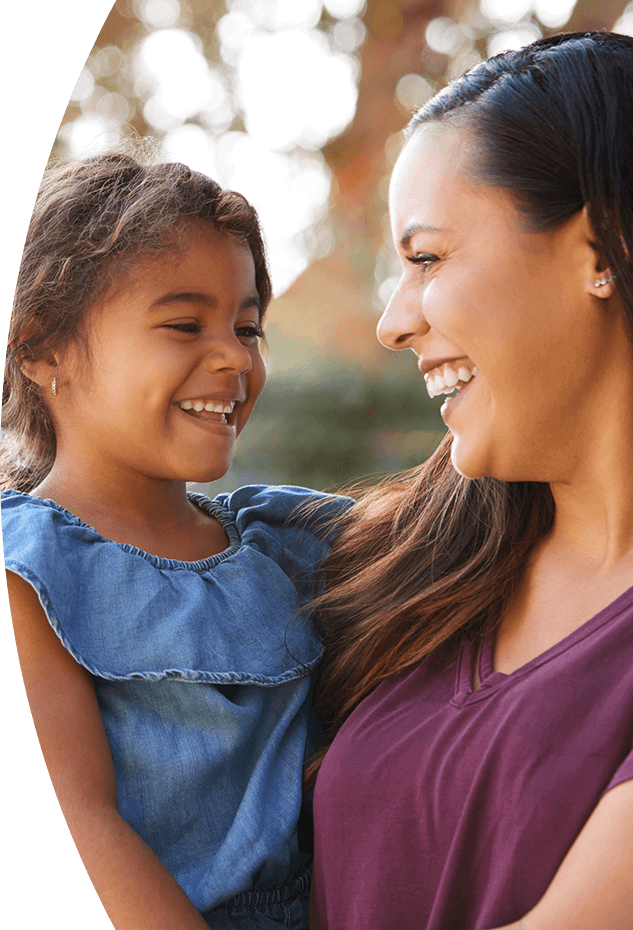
39, 370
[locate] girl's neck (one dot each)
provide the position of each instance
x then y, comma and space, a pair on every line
153, 515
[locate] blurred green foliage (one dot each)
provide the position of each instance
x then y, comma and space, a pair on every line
336, 428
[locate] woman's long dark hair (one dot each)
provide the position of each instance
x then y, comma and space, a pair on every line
92, 220
431, 556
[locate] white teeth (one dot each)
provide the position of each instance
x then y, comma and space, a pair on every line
219, 407
212, 406
444, 382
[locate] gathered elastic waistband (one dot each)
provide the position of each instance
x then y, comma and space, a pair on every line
260, 897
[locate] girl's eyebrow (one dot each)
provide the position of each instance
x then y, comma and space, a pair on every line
414, 228
194, 297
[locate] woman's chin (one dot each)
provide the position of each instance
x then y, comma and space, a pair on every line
473, 461
468, 462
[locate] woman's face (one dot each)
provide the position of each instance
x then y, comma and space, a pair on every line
514, 314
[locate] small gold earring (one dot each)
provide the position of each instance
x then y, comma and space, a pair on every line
54, 387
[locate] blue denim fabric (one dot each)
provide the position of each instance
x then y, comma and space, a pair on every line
202, 671
266, 908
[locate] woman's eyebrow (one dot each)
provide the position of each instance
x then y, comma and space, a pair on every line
414, 228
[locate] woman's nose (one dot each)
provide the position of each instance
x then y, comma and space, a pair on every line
402, 322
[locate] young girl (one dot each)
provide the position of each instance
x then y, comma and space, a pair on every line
169, 688
482, 607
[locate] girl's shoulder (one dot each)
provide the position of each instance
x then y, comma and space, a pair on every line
123, 613
278, 508
294, 526
29, 522
268, 517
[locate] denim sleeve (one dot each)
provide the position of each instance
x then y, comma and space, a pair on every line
294, 526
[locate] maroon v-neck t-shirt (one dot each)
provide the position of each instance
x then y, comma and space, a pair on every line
443, 808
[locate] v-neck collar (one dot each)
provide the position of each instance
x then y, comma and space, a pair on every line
490, 681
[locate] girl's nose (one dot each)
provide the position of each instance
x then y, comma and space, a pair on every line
403, 321
228, 355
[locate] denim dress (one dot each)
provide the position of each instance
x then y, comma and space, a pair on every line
202, 671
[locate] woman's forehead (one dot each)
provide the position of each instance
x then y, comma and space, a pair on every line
435, 150
432, 173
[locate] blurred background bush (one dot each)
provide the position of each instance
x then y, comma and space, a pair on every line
299, 104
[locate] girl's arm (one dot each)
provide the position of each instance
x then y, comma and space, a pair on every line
135, 888
593, 887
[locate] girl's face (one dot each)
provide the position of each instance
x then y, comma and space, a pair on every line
174, 367
515, 315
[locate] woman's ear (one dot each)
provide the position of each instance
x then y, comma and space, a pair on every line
603, 284
599, 279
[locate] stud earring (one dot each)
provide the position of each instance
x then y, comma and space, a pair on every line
54, 387
600, 282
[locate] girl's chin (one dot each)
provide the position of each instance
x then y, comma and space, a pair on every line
207, 477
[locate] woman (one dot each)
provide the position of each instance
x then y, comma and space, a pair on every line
480, 610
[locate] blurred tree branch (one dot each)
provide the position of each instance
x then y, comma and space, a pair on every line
589, 15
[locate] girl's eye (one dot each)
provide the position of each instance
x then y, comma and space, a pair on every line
249, 333
190, 328
424, 259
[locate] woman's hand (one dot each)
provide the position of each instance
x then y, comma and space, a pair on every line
135, 888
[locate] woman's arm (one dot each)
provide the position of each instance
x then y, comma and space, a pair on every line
135, 888
593, 887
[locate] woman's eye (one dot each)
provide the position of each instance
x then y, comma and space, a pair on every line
424, 259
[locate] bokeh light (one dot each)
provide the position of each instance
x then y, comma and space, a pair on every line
504, 12
294, 90
507, 39
255, 120
176, 78
625, 22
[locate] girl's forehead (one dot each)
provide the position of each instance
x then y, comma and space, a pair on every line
198, 248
